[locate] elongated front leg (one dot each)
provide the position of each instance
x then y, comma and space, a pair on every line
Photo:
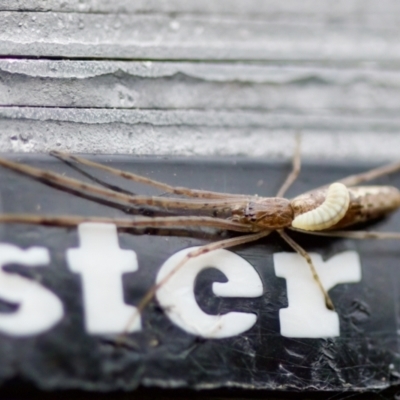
134, 222
61, 181
205, 194
307, 257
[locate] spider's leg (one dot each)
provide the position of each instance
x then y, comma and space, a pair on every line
134, 222
367, 176
307, 257
205, 194
296, 166
353, 234
151, 201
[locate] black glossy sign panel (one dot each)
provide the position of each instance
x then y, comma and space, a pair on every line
69, 351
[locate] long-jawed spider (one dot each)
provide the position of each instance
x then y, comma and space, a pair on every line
322, 211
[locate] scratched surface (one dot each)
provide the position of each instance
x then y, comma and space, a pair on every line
162, 355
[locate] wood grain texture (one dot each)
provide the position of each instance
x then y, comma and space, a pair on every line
205, 78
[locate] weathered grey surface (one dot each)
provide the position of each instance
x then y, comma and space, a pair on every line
301, 88
196, 37
209, 77
354, 11
251, 133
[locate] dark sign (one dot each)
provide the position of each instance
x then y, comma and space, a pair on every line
249, 317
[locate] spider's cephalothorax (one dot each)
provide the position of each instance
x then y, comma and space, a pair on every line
265, 213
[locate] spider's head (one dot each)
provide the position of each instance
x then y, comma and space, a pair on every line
267, 213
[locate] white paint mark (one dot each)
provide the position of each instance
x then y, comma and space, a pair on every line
177, 298
101, 263
307, 315
39, 309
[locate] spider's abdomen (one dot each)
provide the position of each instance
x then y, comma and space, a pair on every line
368, 203
330, 212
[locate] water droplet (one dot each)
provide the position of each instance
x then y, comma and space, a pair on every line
174, 25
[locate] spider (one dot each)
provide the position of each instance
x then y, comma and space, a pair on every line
322, 211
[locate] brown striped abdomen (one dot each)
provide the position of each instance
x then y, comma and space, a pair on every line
366, 203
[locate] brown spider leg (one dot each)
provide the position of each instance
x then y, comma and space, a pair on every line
289, 181
151, 201
353, 180
222, 244
296, 166
205, 194
307, 257
135, 222
352, 234
367, 176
